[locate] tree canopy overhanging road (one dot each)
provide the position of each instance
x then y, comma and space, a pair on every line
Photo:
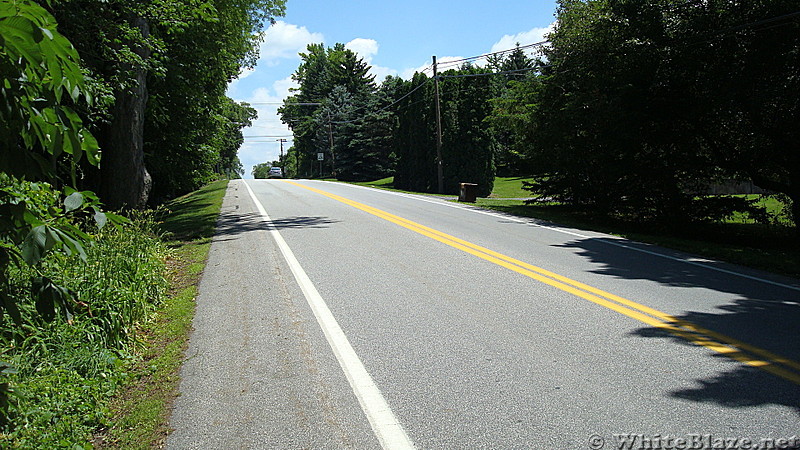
326, 306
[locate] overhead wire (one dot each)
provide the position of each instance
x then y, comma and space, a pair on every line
270, 136
486, 74
536, 44
447, 64
426, 69
387, 106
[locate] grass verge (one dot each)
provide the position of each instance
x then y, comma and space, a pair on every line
140, 411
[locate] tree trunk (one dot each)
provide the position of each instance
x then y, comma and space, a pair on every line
125, 180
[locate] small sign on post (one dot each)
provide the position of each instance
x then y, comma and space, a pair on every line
320, 156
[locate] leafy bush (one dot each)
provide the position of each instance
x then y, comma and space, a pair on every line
66, 365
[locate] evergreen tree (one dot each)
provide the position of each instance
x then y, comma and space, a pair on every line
414, 141
468, 145
641, 104
336, 97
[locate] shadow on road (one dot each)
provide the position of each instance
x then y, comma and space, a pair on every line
233, 223
758, 313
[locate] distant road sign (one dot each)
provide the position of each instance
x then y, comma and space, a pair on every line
320, 156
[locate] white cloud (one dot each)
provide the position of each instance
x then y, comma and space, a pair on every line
507, 42
246, 72
365, 48
407, 74
381, 73
527, 37
284, 41
283, 87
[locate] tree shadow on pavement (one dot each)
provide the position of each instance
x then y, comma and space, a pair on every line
758, 313
232, 223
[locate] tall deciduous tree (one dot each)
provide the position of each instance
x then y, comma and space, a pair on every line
166, 79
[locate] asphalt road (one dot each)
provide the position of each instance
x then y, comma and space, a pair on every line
332, 316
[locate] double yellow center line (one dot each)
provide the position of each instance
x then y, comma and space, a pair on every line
725, 345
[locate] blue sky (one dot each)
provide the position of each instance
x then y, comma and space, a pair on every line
396, 38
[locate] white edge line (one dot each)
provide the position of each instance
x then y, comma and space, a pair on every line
387, 428
610, 240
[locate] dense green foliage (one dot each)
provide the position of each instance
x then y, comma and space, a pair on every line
368, 132
640, 105
71, 288
165, 82
261, 170
329, 114
66, 366
468, 145
42, 82
516, 67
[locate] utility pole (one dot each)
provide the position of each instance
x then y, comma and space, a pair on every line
283, 169
439, 170
297, 153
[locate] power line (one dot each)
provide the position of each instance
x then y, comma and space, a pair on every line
447, 63
287, 104
387, 106
737, 28
539, 44
500, 52
536, 44
486, 74
269, 136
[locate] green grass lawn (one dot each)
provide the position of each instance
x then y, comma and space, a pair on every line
509, 187
388, 184
193, 216
774, 207
504, 187
141, 411
382, 183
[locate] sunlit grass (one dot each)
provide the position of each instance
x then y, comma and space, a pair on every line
510, 187
141, 411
